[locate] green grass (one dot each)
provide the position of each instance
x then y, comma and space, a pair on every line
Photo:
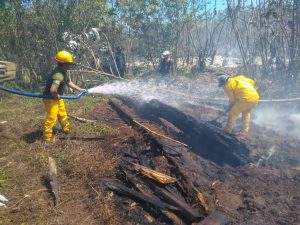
16, 107
3, 177
83, 105
94, 129
2, 221
63, 156
39, 159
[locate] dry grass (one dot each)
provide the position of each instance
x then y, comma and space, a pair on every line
81, 165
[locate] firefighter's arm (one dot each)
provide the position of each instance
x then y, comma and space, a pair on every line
230, 95
74, 86
57, 79
53, 91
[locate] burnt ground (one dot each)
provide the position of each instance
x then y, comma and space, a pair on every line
263, 191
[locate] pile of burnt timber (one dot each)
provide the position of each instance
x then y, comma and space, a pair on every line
205, 139
167, 179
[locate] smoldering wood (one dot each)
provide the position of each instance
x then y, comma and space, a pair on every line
215, 218
185, 210
148, 188
141, 186
128, 119
166, 148
179, 207
205, 139
123, 190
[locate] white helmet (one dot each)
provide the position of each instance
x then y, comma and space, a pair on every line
166, 53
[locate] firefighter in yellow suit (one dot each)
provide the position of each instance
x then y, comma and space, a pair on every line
243, 97
55, 85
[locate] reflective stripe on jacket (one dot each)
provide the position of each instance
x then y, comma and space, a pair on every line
241, 88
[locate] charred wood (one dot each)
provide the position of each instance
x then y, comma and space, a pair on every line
173, 198
143, 187
216, 218
121, 189
180, 165
165, 208
135, 123
155, 175
205, 139
185, 210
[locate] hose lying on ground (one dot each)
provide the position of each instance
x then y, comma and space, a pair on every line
37, 95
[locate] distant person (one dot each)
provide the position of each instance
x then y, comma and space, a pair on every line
55, 85
243, 97
120, 61
166, 65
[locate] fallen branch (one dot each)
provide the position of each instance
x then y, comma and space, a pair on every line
83, 119
79, 138
158, 134
92, 70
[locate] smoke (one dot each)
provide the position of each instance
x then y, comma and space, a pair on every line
282, 118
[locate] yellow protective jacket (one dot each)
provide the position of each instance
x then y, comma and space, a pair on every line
241, 88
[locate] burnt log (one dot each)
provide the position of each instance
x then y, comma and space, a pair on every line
206, 140
216, 218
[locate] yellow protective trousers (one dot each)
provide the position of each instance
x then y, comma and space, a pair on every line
239, 107
55, 109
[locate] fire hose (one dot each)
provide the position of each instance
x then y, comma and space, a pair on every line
37, 95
